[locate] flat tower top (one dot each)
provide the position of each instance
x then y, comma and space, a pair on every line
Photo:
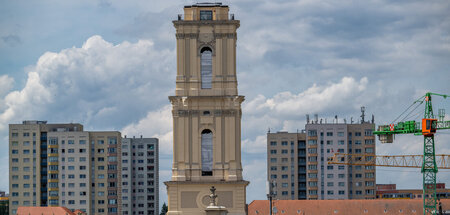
206, 4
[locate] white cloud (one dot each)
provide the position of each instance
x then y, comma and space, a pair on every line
156, 124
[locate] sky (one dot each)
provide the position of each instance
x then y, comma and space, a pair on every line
110, 65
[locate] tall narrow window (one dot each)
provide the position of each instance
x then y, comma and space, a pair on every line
206, 67
207, 152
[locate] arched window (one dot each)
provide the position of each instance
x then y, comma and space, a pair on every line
206, 67
207, 152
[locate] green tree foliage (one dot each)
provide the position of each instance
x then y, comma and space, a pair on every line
164, 209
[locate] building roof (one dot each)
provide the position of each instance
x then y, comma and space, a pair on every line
335, 207
47, 211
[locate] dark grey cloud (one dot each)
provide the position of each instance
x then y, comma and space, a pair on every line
12, 40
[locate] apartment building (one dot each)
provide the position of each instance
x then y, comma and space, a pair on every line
286, 164
140, 178
297, 162
339, 181
28, 164
62, 165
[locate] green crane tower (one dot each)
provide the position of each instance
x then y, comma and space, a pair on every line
427, 128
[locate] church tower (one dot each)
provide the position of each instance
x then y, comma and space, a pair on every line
206, 113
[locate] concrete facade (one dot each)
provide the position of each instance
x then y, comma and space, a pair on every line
206, 113
62, 165
286, 164
140, 176
297, 162
339, 181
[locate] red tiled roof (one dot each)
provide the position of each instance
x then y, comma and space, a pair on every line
44, 211
336, 207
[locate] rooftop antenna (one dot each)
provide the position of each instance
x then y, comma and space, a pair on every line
351, 120
307, 118
320, 121
268, 130
316, 118
336, 118
373, 119
345, 121
362, 114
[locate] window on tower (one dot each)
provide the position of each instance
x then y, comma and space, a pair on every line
206, 67
207, 152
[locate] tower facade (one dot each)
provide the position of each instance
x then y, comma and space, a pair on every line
206, 113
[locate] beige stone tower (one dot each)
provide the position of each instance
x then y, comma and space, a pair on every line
206, 113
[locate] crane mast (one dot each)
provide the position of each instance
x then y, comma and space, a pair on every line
427, 128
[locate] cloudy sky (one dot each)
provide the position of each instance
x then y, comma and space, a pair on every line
110, 65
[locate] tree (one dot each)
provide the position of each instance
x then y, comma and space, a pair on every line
164, 209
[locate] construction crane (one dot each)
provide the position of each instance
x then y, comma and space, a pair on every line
427, 128
408, 161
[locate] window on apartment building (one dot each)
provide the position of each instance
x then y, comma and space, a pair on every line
312, 175
368, 132
26, 143
341, 142
341, 150
101, 159
370, 192
330, 184
70, 142
329, 142
284, 176
370, 175
284, 185
273, 143
330, 192
26, 134
284, 143
312, 142
341, 184
368, 142
273, 160
112, 140
341, 175
358, 175
273, 168
341, 192
370, 167
312, 192
312, 183
273, 151
15, 143
358, 192
273, 176
284, 168
112, 158
357, 134
369, 150
369, 183
283, 160
284, 151
312, 159
329, 167
71, 151
357, 142
340, 134
312, 133
312, 151
14, 134
329, 134
330, 175
312, 167
284, 193
111, 150
82, 142
15, 177
26, 151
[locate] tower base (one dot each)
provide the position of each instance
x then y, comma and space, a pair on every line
192, 198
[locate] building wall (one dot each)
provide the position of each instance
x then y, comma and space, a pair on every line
140, 177
28, 162
292, 165
105, 172
74, 159
286, 159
